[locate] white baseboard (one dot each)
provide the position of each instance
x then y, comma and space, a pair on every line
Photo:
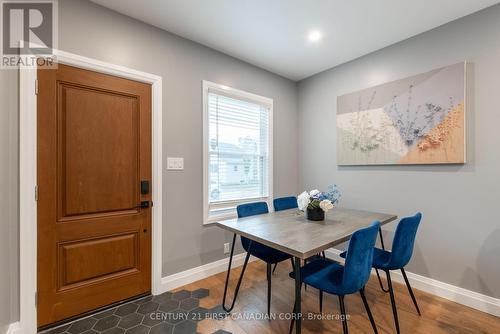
13, 328
453, 293
195, 274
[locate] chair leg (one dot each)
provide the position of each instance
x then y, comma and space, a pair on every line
228, 309
393, 301
269, 275
343, 314
367, 308
320, 301
275, 265
380, 281
410, 290
293, 264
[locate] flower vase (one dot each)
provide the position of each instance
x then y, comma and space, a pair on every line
316, 214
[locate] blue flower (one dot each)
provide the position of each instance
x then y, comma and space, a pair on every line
318, 196
333, 194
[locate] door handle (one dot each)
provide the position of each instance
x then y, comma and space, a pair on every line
144, 205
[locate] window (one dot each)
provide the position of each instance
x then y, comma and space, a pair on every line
237, 153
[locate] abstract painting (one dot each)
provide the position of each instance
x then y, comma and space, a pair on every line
417, 120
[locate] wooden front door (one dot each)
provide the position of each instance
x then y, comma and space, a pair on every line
94, 149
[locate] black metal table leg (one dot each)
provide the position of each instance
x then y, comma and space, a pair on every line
381, 238
298, 301
290, 330
305, 285
320, 301
228, 309
376, 270
269, 275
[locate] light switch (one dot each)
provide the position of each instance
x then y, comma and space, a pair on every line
175, 163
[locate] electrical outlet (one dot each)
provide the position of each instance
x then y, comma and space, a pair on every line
226, 248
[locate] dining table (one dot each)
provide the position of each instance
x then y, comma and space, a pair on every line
289, 231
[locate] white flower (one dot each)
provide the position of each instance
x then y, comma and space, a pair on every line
325, 205
303, 200
313, 192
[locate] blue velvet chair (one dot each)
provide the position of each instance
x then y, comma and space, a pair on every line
398, 258
331, 277
285, 203
267, 254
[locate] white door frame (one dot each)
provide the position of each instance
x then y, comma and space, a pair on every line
28, 178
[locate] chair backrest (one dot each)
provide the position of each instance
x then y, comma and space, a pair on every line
404, 240
250, 209
285, 203
359, 257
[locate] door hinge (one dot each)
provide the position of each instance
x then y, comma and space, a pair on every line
36, 86
36, 193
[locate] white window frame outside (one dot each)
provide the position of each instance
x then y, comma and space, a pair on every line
235, 93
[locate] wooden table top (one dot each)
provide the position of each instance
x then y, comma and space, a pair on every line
289, 231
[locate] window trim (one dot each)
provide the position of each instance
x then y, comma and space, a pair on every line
236, 93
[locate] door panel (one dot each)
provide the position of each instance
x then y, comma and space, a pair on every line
94, 148
82, 261
100, 170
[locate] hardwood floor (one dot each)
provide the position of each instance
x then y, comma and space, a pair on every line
438, 314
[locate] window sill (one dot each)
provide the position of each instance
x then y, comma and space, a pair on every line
217, 218
226, 210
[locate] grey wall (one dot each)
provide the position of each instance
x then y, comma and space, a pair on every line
9, 255
459, 239
93, 31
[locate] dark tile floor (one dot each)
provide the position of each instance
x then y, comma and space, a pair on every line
168, 313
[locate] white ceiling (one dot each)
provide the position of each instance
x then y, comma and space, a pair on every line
272, 34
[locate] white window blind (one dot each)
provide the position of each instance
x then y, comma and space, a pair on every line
238, 151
